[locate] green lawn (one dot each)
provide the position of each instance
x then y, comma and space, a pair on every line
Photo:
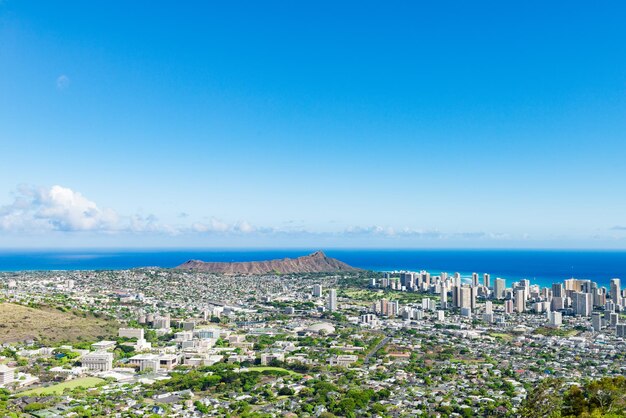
86, 382
261, 369
505, 337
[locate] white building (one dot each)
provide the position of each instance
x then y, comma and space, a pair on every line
555, 319
317, 290
332, 300
103, 345
267, 358
161, 322
101, 361
520, 300
343, 360
596, 321
7, 375
441, 315
154, 361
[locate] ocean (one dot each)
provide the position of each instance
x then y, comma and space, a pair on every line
539, 266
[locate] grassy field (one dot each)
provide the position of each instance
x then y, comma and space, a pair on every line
556, 332
505, 337
265, 368
86, 382
49, 325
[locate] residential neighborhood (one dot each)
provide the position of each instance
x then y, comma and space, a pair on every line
190, 344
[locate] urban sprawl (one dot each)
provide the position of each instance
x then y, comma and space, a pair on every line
191, 344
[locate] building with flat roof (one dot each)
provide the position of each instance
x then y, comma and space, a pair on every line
343, 360
267, 358
101, 361
332, 300
154, 361
7, 375
103, 345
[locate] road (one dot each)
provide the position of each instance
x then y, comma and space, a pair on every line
380, 345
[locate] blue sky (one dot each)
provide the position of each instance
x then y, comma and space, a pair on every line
361, 124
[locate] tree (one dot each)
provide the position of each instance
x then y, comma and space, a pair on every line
544, 400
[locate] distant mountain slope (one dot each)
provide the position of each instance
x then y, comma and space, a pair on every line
317, 262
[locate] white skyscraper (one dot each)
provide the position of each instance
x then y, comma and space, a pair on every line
616, 291
596, 321
555, 318
317, 290
488, 307
582, 303
332, 300
487, 280
498, 288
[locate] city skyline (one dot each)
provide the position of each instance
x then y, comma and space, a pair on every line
354, 125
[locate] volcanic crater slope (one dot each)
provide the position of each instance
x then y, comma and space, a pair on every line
318, 262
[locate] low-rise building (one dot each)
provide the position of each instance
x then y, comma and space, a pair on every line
101, 361
267, 358
7, 375
103, 345
344, 360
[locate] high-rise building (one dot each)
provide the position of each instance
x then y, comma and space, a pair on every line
474, 279
582, 303
615, 291
525, 283
508, 306
466, 296
407, 280
557, 290
596, 321
557, 303
444, 295
440, 315
520, 300
332, 300
620, 330
498, 288
555, 319
599, 296
487, 280
488, 307
317, 290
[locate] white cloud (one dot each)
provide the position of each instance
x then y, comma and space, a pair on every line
387, 231
63, 82
58, 209
245, 227
214, 225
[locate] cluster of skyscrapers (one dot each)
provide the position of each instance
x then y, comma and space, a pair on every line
572, 297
